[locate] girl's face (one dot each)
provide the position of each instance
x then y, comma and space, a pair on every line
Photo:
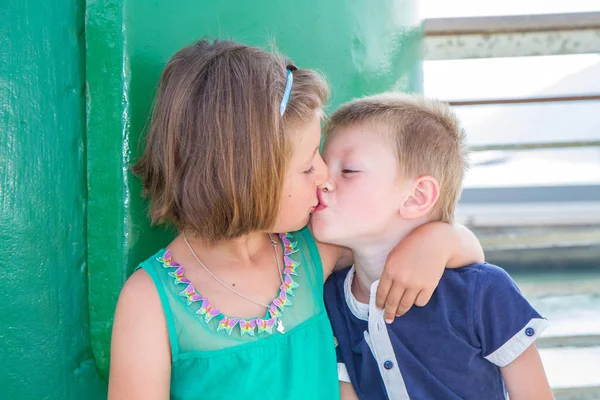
306, 171
365, 190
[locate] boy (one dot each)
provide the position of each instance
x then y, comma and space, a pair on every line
397, 162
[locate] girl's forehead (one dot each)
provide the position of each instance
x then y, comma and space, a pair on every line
307, 136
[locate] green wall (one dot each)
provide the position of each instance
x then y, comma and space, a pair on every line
71, 209
45, 346
362, 47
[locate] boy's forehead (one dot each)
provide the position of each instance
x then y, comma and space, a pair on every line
334, 140
361, 131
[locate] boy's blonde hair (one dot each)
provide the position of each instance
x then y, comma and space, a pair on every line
217, 148
429, 140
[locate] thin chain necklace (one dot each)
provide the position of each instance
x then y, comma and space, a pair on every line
273, 243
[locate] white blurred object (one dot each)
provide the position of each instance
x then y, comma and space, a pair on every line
472, 8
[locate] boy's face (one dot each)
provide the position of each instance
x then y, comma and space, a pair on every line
365, 188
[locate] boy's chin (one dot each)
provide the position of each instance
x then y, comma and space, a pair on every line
324, 235
319, 230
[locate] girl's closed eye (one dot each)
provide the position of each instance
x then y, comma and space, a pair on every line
310, 170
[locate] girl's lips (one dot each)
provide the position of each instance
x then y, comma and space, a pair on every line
320, 198
320, 206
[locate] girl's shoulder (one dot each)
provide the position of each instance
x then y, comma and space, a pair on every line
325, 256
139, 345
139, 299
140, 302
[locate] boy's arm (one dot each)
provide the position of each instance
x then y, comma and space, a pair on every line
506, 327
525, 377
414, 267
338, 257
467, 249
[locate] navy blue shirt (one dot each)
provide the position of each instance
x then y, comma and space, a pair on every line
476, 322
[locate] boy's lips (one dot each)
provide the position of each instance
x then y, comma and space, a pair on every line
321, 204
319, 207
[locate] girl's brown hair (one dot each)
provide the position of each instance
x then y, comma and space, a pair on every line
217, 148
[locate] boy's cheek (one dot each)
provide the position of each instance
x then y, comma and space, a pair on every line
324, 230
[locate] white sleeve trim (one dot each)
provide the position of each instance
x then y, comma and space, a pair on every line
517, 344
343, 373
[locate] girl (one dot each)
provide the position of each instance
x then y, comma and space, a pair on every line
230, 309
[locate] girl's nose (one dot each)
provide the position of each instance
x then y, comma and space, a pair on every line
322, 172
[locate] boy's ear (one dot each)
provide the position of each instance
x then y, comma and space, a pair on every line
424, 193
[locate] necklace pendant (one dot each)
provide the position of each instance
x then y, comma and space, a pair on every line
280, 327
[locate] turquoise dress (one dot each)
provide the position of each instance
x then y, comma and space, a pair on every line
218, 357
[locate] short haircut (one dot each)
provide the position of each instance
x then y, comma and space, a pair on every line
428, 136
217, 148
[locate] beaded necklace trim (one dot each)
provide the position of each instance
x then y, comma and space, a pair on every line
246, 326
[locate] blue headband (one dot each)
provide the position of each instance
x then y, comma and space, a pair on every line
286, 92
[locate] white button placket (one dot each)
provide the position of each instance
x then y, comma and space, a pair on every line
380, 344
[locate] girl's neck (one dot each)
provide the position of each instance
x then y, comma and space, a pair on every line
243, 249
246, 264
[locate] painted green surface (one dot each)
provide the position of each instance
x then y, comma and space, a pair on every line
362, 47
44, 321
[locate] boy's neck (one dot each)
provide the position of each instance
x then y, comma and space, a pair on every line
370, 257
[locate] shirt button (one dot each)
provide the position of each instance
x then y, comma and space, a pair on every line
388, 364
529, 331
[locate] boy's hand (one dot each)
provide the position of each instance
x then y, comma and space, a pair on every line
411, 274
413, 268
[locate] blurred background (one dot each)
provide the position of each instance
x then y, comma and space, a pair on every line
524, 78
77, 79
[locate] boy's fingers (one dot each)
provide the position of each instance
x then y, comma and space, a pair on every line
392, 303
423, 298
407, 301
382, 291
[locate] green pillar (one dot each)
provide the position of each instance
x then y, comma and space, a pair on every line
362, 47
45, 346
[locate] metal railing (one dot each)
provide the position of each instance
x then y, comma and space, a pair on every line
512, 36
515, 36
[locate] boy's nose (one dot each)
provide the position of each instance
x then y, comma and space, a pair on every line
327, 186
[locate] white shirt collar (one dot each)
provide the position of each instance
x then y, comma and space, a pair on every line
360, 310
